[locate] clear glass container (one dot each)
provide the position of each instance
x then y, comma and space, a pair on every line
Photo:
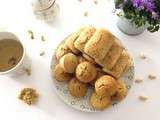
45, 9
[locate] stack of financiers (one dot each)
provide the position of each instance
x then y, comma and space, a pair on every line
103, 47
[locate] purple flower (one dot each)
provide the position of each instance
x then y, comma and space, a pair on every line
147, 5
155, 16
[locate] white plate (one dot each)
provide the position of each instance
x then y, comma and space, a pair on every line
83, 103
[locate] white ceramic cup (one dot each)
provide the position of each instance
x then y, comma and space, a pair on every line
23, 65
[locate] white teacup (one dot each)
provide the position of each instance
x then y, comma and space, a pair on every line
24, 63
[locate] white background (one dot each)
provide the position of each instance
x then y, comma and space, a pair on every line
17, 15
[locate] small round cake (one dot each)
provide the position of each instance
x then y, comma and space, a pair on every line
77, 88
121, 91
100, 102
106, 86
86, 72
69, 62
60, 75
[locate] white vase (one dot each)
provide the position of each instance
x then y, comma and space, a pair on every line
129, 28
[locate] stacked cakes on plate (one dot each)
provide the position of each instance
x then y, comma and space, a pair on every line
93, 57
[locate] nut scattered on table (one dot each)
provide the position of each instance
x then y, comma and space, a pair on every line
143, 97
152, 77
43, 38
138, 80
85, 14
142, 55
42, 53
28, 96
95, 2
28, 71
31, 35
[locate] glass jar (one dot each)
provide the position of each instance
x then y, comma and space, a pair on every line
45, 9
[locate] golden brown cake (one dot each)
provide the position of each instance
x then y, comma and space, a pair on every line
69, 62
121, 64
62, 50
59, 74
106, 86
129, 64
72, 38
86, 72
112, 56
85, 35
121, 91
77, 88
100, 102
99, 44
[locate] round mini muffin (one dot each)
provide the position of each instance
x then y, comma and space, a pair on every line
106, 86
121, 92
100, 102
62, 50
59, 74
69, 62
86, 72
77, 88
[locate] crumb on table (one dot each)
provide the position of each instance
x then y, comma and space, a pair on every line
85, 13
28, 71
31, 35
28, 96
138, 80
42, 53
151, 77
95, 2
143, 97
43, 38
142, 55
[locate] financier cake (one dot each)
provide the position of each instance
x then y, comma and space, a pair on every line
99, 44
84, 38
72, 38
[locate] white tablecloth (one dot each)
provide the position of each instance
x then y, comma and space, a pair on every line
17, 15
